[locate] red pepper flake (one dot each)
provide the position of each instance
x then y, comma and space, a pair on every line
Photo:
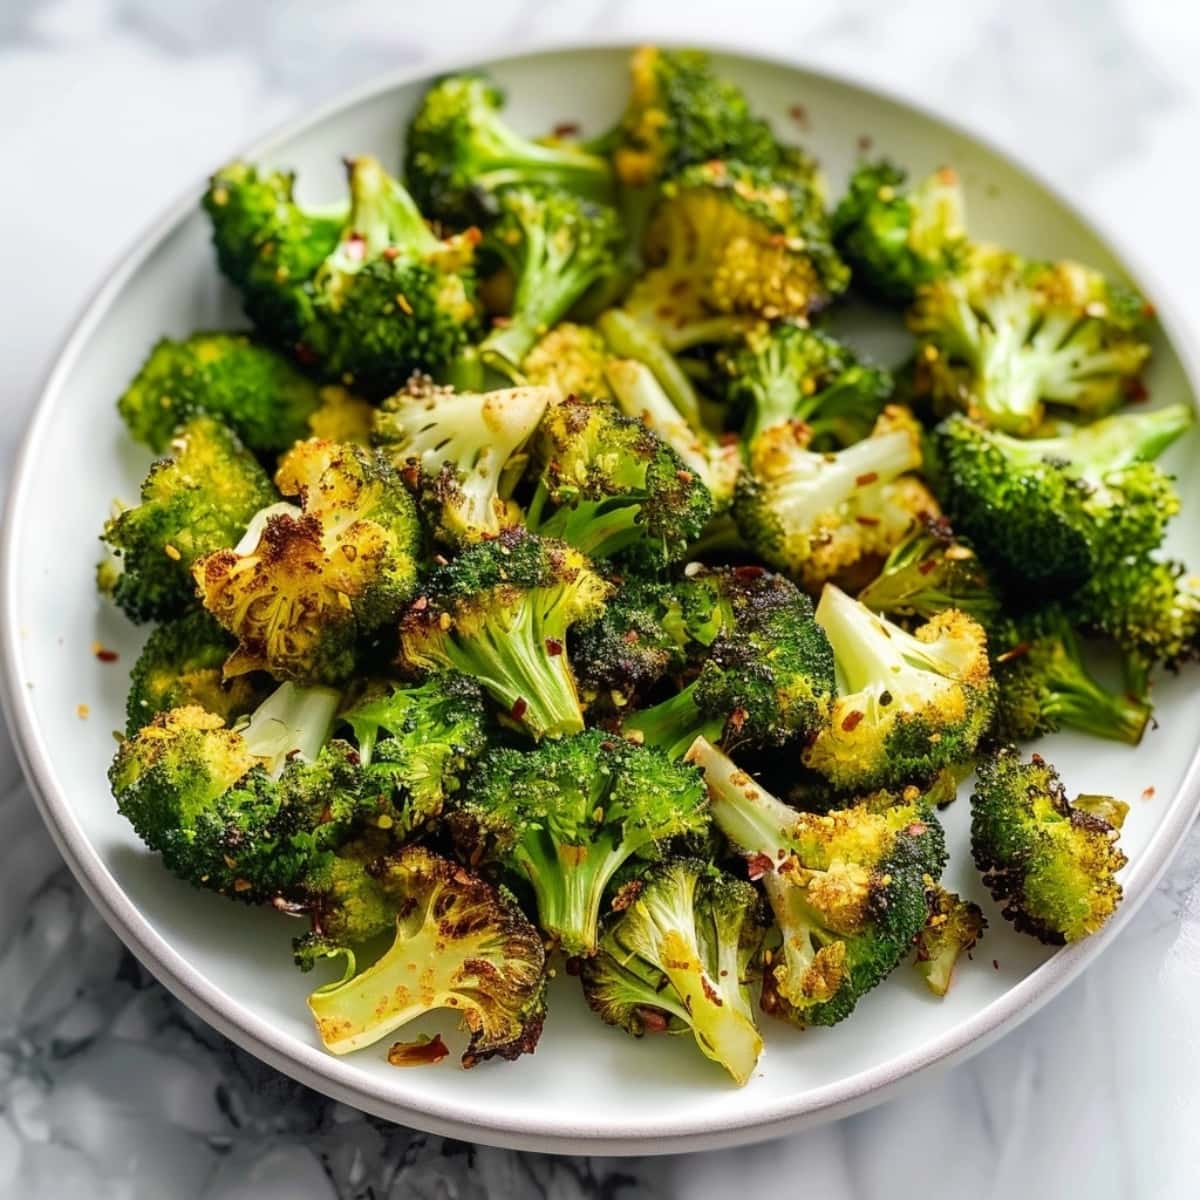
501, 322
745, 574
104, 654
1149, 311
565, 129
928, 565
864, 520
424, 1052
356, 246
1148, 793
737, 719
729, 439
1018, 651
851, 720
867, 477
391, 253
653, 1020
305, 355
799, 114
865, 142
757, 865
472, 235
1136, 391
518, 709
995, 964
420, 604
553, 647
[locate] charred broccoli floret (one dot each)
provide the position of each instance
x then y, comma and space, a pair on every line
461, 452
459, 153
1048, 511
953, 927
1004, 337
567, 815
817, 515
847, 887
898, 238
556, 247
676, 959
1050, 863
305, 584
788, 373
251, 388
907, 705
196, 501
609, 486
460, 944
571, 359
180, 666
501, 613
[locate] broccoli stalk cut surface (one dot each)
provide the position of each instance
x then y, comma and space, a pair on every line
460, 944
677, 959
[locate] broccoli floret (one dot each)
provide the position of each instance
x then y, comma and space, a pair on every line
898, 238
816, 515
1043, 684
557, 246
196, 501
567, 815
501, 613
1051, 864
459, 944
953, 927
180, 665
847, 887
1004, 337
611, 487
255, 391
766, 675
462, 452
788, 373
341, 417
1047, 511
929, 572
459, 153
304, 585
907, 705
572, 359
676, 959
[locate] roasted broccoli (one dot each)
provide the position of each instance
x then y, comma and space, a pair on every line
460, 944
305, 584
194, 502
461, 452
566, 816
676, 959
897, 238
952, 928
907, 705
609, 486
817, 515
847, 887
1004, 337
571, 359
459, 153
501, 613
1050, 863
1049, 511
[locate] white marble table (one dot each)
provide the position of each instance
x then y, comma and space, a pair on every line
108, 1089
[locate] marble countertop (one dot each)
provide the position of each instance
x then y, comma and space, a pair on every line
108, 1087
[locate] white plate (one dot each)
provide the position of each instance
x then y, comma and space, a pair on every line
589, 1088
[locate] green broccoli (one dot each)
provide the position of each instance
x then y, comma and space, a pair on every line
194, 502
568, 814
571, 359
898, 238
676, 959
1048, 511
501, 613
459, 153
847, 887
460, 944
953, 927
907, 705
611, 487
305, 584
1004, 337
1051, 864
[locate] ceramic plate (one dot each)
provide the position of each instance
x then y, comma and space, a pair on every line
588, 1088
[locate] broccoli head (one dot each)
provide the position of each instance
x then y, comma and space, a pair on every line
1003, 337
908, 704
568, 814
194, 502
1050, 863
847, 887
819, 515
459, 944
461, 452
572, 360
611, 487
1048, 511
898, 238
953, 927
501, 613
676, 959
459, 153
304, 585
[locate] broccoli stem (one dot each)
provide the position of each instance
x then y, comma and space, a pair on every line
628, 338
597, 528
505, 348
383, 214
675, 724
568, 882
291, 722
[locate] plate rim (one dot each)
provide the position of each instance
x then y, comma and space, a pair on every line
338, 1078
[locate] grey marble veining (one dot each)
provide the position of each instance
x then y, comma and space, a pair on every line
108, 1088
